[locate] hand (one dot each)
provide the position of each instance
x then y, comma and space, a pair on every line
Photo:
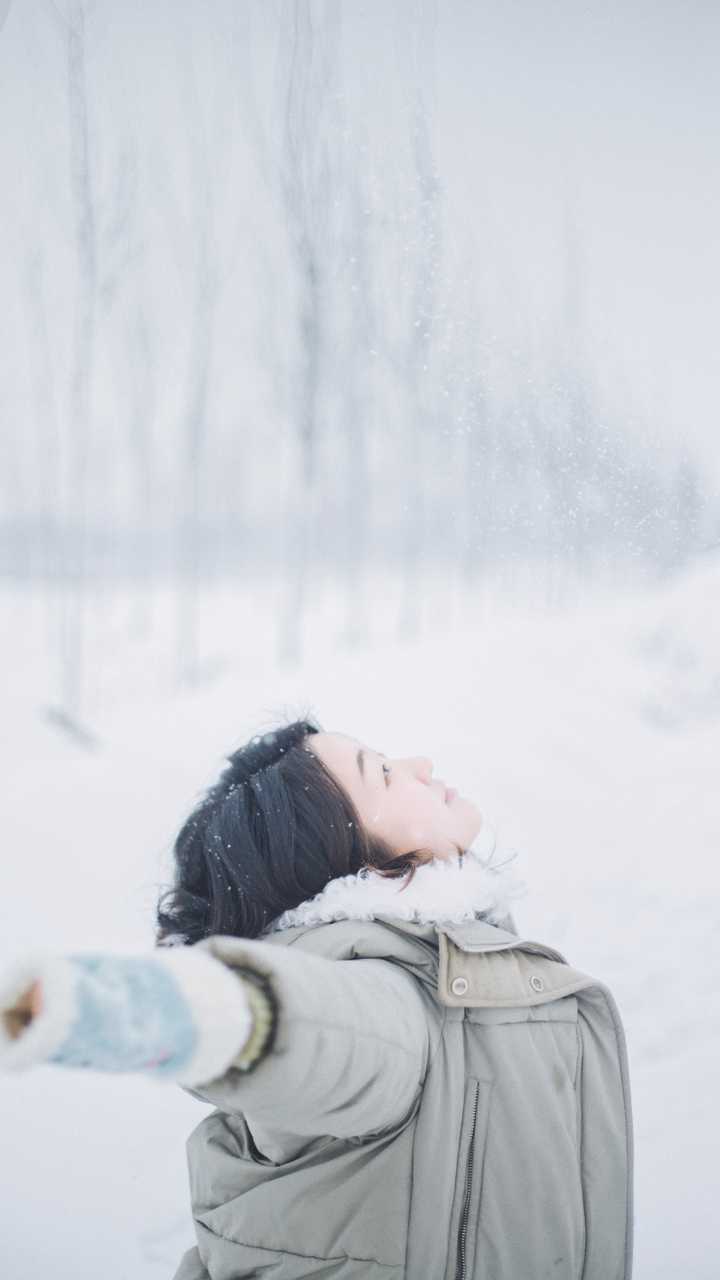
26, 1007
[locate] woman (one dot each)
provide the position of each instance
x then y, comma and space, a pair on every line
454, 1104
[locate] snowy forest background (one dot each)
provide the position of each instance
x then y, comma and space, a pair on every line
360, 355
298, 293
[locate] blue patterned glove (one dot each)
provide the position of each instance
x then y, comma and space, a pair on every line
131, 1016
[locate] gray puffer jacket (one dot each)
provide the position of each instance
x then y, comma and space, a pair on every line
443, 1100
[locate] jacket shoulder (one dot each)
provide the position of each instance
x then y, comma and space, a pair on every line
414, 947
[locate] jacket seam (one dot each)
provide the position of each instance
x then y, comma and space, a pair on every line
580, 1139
293, 1253
356, 1034
629, 1136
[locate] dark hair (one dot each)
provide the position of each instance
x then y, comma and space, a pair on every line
274, 829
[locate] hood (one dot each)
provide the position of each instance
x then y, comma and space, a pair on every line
441, 892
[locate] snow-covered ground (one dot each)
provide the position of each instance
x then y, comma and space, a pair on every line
589, 736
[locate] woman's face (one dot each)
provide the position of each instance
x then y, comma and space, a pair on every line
398, 799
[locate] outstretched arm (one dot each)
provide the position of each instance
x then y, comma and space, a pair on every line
178, 1014
314, 1045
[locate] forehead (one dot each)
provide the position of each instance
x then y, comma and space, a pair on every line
339, 752
335, 746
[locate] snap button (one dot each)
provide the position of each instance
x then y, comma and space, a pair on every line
536, 983
459, 986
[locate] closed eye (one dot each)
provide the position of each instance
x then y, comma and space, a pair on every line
387, 771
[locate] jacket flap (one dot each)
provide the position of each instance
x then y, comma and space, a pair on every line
479, 935
507, 977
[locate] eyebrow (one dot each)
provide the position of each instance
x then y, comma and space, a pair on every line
360, 757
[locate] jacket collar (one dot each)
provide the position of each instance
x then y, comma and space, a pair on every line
440, 892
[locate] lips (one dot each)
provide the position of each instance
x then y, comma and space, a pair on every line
450, 794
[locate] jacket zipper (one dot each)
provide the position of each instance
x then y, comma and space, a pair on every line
460, 1271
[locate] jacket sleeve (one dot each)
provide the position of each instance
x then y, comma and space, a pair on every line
350, 1047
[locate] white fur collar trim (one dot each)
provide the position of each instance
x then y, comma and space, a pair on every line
439, 892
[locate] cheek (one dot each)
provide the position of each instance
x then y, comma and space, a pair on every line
423, 818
